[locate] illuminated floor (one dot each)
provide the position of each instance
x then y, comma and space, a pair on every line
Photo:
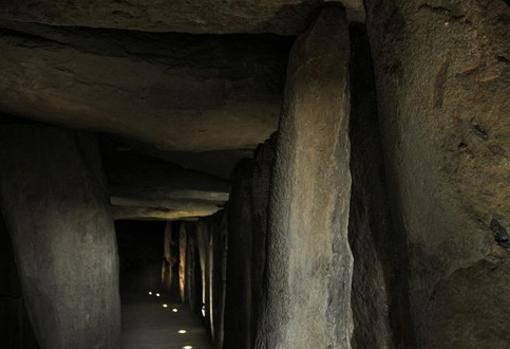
146, 324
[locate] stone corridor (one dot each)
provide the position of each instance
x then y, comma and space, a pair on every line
286, 174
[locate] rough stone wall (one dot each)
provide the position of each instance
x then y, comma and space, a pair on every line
309, 259
54, 203
443, 90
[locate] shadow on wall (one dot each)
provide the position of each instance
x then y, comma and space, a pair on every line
15, 328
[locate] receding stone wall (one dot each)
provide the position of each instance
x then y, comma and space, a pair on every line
443, 92
247, 231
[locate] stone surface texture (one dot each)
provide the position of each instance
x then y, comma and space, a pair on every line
309, 258
443, 84
54, 202
197, 16
174, 92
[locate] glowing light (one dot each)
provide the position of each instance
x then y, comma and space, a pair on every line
157, 295
175, 310
187, 347
182, 331
165, 305
150, 293
203, 311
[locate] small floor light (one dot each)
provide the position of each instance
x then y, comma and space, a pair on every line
157, 294
150, 293
182, 331
165, 305
175, 310
187, 347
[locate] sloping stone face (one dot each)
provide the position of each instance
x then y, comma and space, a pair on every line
54, 202
233, 267
174, 92
309, 259
196, 16
443, 84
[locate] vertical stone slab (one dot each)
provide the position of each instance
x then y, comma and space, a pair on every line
239, 300
182, 260
211, 278
443, 83
193, 275
168, 261
53, 199
220, 241
309, 259
203, 249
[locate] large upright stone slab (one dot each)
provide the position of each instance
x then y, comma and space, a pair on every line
183, 237
54, 202
443, 83
309, 259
